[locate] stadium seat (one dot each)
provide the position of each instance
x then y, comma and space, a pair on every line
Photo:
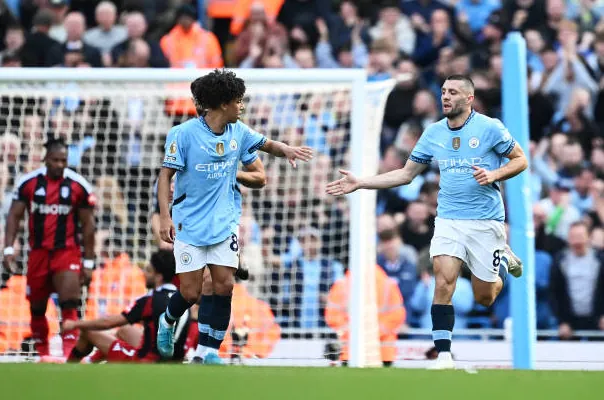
15, 316
253, 320
114, 287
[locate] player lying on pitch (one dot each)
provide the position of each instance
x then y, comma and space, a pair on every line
136, 345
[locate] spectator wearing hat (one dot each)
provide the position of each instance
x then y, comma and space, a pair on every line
188, 45
560, 213
59, 9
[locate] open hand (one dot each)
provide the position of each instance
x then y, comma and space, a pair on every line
483, 176
348, 184
303, 153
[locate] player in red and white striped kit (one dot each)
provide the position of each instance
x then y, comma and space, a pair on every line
60, 205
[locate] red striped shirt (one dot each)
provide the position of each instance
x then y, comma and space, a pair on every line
53, 207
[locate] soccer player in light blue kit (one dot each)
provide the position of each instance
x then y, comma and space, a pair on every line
469, 148
252, 176
204, 153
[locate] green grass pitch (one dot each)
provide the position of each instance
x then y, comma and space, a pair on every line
174, 382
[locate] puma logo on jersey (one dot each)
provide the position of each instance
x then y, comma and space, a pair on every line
205, 149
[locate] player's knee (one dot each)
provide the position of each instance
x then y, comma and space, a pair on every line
191, 293
443, 288
484, 299
224, 287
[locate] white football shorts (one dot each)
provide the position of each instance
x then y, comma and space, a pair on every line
192, 258
479, 243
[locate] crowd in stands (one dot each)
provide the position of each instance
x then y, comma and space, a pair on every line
294, 237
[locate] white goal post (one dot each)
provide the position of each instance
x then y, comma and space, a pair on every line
363, 113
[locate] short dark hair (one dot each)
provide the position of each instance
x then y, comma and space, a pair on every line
464, 78
55, 144
216, 88
163, 263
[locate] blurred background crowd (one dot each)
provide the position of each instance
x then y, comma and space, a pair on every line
294, 238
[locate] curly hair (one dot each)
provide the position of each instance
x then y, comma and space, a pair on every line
216, 88
163, 263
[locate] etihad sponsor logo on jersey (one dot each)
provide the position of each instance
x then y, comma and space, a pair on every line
50, 209
217, 169
457, 165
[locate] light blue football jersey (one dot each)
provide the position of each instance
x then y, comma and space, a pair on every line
203, 210
481, 141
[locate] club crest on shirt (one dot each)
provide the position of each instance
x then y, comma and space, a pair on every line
220, 148
64, 192
456, 142
172, 149
474, 142
233, 144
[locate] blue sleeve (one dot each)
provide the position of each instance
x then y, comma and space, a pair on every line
251, 140
421, 152
175, 154
248, 158
503, 142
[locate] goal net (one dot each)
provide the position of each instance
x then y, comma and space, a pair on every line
296, 240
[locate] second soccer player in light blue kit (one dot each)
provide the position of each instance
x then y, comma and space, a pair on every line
469, 149
204, 154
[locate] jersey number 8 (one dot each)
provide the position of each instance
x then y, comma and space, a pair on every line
234, 243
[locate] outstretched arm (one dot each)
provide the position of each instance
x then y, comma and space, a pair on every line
516, 165
349, 183
101, 324
280, 149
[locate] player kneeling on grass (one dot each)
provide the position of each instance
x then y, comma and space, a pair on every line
136, 346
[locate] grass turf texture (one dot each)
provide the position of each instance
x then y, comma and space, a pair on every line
92, 382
